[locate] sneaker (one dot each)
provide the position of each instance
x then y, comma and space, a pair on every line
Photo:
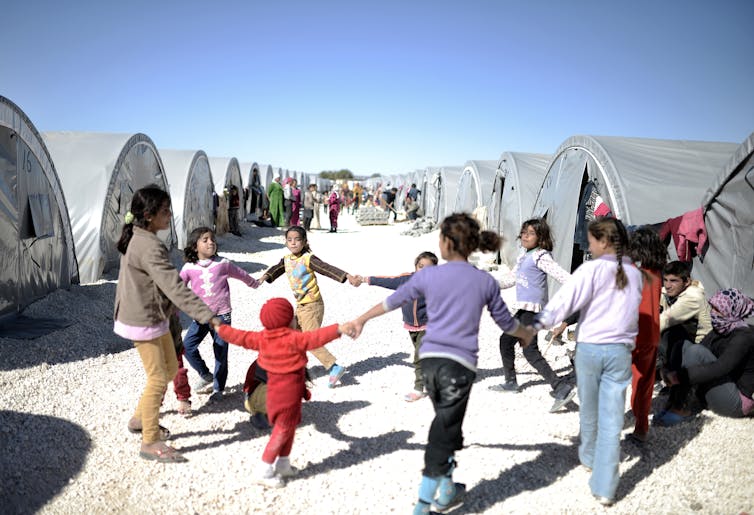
267, 477
508, 386
204, 384
563, 398
454, 502
184, 408
414, 396
336, 372
604, 501
284, 469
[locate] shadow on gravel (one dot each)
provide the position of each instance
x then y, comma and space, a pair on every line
91, 306
553, 462
40, 455
365, 366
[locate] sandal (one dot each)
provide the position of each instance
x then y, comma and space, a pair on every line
164, 432
414, 396
161, 453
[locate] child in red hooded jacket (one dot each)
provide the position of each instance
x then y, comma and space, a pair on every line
282, 353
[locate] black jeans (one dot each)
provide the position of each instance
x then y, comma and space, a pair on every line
448, 385
531, 353
671, 344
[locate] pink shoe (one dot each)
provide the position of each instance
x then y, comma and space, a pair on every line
414, 396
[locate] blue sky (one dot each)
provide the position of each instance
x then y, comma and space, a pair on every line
381, 86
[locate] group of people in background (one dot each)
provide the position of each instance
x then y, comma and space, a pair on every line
636, 314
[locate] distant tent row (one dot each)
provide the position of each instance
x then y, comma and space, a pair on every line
639, 180
64, 196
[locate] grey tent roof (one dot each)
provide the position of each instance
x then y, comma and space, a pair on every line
444, 183
99, 173
190, 180
37, 250
475, 186
642, 180
729, 219
518, 179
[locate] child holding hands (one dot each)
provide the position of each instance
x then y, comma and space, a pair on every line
282, 353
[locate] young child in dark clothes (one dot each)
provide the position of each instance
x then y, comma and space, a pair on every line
414, 317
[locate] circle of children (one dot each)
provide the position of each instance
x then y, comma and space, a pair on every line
634, 310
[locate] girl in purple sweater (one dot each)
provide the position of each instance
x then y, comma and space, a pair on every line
456, 293
207, 275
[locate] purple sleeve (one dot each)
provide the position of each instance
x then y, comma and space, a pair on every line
499, 311
239, 273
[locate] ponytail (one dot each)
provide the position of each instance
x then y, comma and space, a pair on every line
613, 230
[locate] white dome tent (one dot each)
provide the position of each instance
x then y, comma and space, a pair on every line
226, 172
630, 175
191, 190
518, 179
37, 254
728, 260
444, 191
100, 173
475, 189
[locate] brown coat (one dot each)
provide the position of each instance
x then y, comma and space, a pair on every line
148, 284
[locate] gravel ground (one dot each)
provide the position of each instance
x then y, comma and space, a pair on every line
65, 399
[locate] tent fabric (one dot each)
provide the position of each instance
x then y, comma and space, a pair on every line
111, 167
475, 187
444, 183
728, 204
37, 250
190, 181
518, 179
629, 174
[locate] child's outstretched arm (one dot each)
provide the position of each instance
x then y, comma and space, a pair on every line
236, 272
391, 283
273, 272
247, 339
333, 272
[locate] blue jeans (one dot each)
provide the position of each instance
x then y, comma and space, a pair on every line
603, 373
194, 336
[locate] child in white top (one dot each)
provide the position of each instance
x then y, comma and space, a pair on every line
607, 293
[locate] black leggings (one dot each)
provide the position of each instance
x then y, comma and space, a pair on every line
531, 353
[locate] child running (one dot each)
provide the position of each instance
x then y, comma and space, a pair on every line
450, 347
529, 275
607, 293
649, 253
148, 286
207, 274
282, 353
300, 267
414, 317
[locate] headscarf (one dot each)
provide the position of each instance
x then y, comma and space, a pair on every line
731, 307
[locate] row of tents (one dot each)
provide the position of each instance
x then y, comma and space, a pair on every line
705, 187
63, 197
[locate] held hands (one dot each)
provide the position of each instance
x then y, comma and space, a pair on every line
355, 280
526, 334
347, 329
216, 322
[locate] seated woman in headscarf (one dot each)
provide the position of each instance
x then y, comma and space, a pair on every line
721, 366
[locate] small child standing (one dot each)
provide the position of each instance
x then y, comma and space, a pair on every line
300, 267
607, 292
529, 275
650, 254
414, 317
282, 353
450, 348
207, 274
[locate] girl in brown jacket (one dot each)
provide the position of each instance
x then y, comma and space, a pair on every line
148, 285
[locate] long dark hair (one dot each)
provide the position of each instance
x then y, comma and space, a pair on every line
145, 203
647, 248
466, 235
301, 232
615, 233
542, 230
190, 254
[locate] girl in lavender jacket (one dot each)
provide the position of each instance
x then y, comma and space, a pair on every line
207, 275
456, 293
607, 293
